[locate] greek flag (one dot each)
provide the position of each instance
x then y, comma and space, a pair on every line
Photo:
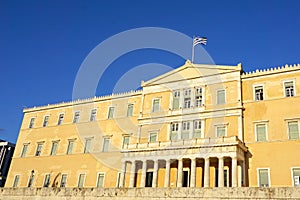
199, 40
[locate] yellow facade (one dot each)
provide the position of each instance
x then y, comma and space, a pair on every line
196, 126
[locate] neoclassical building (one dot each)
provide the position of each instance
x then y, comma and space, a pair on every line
196, 126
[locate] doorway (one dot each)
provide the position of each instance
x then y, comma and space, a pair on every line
149, 178
185, 178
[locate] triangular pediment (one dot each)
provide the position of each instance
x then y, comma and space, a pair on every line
191, 71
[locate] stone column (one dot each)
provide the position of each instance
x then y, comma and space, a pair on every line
206, 172
167, 174
132, 175
143, 176
234, 171
179, 173
221, 172
155, 171
123, 173
193, 172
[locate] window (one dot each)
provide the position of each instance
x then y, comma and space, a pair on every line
54, 148
185, 130
125, 141
293, 130
76, 117
289, 88
60, 119
296, 176
176, 99
261, 132
221, 131
197, 129
198, 97
174, 131
38, 149
31, 124
31, 179
105, 147
259, 93
70, 147
153, 137
47, 180
63, 181
111, 112
155, 106
81, 180
100, 180
220, 96
24, 150
87, 146
16, 181
263, 178
187, 98
46, 119
129, 110
93, 115
118, 180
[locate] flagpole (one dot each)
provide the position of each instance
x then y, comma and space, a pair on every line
193, 50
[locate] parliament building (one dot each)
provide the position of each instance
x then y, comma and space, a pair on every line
196, 126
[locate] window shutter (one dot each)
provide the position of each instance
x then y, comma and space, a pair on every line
261, 132
263, 178
221, 97
293, 130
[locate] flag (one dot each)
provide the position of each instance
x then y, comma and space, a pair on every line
199, 40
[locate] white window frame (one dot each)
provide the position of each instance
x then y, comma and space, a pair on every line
220, 126
48, 117
93, 117
149, 136
59, 121
16, 184
62, 179
21, 155
189, 96
83, 179
269, 177
217, 92
176, 94
69, 141
201, 99
294, 87
47, 175
111, 112
254, 94
31, 122
85, 150
75, 119
127, 113
109, 141
100, 173
171, 130
288, 130
292, 175
123, 139
36, 150
255, 131
57, 142
159, 102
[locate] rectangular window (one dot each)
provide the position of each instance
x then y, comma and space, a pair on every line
174, 131
155, 106
125, 141
63, 181
16, 181
76, 117
259, 93
153, 137
220, 96
185, 130
46, 119
111, 112
93, 115
31, 124
289, 88
198, 97
221, 131
197, 129
87, 145
296, 176
60, 119
187, 98
176, 99
100, 180
105, 147
38, 149
70, 147
293, 130
130, 110
54, 148
261, 132
81, 180
263, 178
24, 150
47, 180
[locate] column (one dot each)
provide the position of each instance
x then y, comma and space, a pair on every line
155, 170
144, 170
206, 172
123, 173
132, 175
167, 174
221, 172
179, 173
193, 172
234, 171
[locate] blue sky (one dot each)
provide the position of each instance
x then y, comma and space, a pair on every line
43, 43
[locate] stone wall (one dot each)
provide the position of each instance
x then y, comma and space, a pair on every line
148, 193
